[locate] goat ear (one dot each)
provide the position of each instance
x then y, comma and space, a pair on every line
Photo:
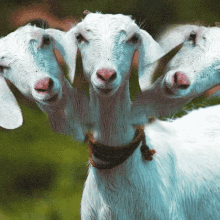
149, 51
65, 43
10, 112
86, 12
156, 69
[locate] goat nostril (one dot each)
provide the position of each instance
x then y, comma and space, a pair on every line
113, 77
175, 78
101, 77
51, 83
44, 85
106, 75
180, 80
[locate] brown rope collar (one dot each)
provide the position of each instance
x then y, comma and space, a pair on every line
117, 155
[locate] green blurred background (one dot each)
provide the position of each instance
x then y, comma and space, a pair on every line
42, 172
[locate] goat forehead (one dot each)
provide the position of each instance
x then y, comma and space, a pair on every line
213, 35
208, 41
24, 35
200, 56
105, 24
97, 17
18, 42
210, 34
211, 38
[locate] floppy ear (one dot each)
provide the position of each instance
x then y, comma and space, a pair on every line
10, 112
65, 43
156, 69
149, 51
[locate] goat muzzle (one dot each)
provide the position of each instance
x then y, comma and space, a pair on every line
180, 80
44, 85
106, 75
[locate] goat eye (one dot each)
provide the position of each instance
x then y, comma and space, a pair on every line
134, 39
192, 37
80, 38
46, 40
2, 69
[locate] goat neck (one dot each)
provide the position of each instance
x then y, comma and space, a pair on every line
112, 125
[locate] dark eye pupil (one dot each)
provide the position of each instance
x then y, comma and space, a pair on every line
192, 36
46, 40
2, 68
134, 39
80, 38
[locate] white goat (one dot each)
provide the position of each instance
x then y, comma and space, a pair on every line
182, 181
190, 73
27, 59
154, 99
195, 68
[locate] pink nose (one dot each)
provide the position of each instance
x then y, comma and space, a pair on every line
44, 85
106, 75
180, 80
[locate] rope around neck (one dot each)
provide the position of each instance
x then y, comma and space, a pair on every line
117, 155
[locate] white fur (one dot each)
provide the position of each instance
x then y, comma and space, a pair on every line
154, 102
200, 62
27, 60
173, 35
10, 113
182, 181
107, 44
70, 114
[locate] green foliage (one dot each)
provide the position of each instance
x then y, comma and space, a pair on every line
41, 172
133, 83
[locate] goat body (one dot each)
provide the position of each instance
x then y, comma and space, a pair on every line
182, 181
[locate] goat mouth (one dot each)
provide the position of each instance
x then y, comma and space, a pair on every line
175, 92
50, 100
43, 91
105, 91
168, 90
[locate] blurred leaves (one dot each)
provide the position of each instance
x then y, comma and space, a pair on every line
153, 14
39, 166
